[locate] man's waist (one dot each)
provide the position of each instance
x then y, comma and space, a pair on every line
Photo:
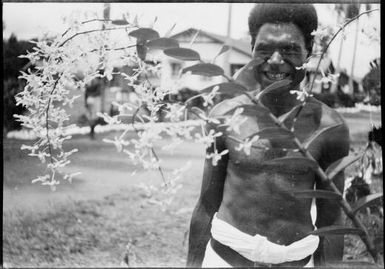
258, 248
235, 259
268, 222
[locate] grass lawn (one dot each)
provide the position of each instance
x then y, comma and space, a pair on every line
90, 222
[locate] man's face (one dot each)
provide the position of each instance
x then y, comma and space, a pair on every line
282, 47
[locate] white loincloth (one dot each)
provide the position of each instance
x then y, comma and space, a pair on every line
256, 248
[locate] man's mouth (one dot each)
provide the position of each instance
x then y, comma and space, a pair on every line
276, 76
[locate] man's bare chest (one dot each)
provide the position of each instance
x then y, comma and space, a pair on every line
248, 150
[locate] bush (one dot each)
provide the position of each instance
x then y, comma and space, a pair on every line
11, 87
329, 99
345, 100
12, 48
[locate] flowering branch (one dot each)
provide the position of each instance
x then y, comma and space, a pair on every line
333, 37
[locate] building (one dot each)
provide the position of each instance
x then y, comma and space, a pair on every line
208, 46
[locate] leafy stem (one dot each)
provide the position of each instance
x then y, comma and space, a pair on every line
91, 31
331, 40
324, 178
47, 118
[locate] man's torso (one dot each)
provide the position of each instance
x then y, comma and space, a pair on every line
258, 195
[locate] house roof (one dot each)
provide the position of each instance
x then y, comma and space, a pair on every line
237, 44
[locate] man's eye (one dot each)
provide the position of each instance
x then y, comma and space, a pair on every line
289, 51
264, 52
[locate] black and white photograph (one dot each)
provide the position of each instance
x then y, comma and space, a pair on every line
192, 134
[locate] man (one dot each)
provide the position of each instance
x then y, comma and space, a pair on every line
93, 104
247, 214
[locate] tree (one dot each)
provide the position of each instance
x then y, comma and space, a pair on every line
12, 48
372, 82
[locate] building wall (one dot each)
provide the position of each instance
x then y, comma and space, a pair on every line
207, 51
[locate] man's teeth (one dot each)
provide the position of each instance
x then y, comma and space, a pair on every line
276, 76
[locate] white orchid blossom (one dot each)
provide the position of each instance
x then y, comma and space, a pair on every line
304, 66
333, 78
301, 94
235, 121
207, 139
209, 98
118, 142
246, 145
215, 156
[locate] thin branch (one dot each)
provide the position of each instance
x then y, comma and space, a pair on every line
331, 40
343, 203
91, 31
92, 20
159, 167
110, 49
47, 118
152, 149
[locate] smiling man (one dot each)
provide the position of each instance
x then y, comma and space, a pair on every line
247, 214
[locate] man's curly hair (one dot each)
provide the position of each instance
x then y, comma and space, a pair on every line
302, 15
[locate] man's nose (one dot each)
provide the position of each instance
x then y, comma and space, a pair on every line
276, 58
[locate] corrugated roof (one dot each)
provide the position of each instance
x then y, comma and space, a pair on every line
237, 44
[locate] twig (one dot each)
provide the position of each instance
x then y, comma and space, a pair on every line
152, 149
47, 118
324, 178
91, 31
331, 40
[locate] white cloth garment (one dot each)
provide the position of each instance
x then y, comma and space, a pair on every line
258, 248
212, 259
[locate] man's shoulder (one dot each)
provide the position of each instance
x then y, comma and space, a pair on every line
226, 105
329, 116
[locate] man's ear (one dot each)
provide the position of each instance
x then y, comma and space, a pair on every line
245, 76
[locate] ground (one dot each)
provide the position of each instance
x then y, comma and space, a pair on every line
90, 222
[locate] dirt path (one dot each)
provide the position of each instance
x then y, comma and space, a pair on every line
104, 171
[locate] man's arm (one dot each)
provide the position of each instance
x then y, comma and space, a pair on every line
208, 203
329, 212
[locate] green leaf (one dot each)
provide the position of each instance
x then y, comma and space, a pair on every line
379, 242
317, 194
319, 133
144, 34
246, 75
230, 88
293, 162
204, 69
367, 201
197, 111
293, 112
273, 133
336, 230
194, 38
250, 110
274, 87
187, 102
168, 33
120, 22
183, 54
141, 51
224, 49
162, 43
252, 64
341, 164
